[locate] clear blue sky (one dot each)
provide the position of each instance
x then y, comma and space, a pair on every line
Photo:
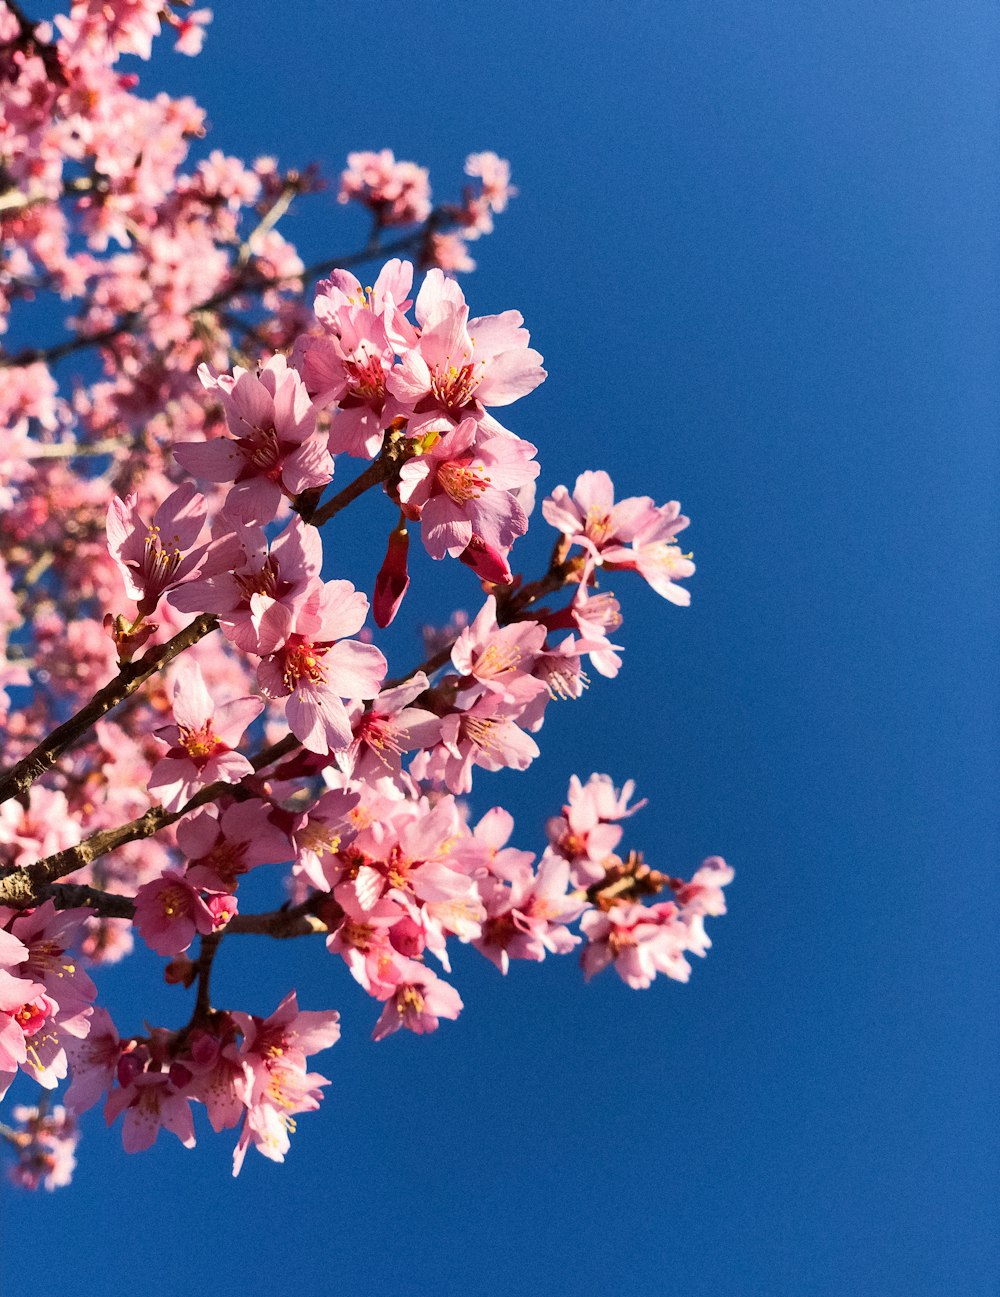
757, 245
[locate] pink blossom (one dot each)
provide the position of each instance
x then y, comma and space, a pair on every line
157, 557
494, 172
150, 1100
201, 740
591, 518
494, 656
255, 598
168, 913
417, 1002
275, 449
639, 940
220, 850
387, 729
527, 916
315, 672
587, 831
461, 366
465, 485
397, 192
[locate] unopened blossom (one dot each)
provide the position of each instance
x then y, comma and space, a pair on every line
274, 449
200, 740
156, 556
315, 673
418, 1002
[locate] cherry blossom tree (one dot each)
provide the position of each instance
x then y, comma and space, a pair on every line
188, 694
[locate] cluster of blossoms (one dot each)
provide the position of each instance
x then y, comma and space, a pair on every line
188, 693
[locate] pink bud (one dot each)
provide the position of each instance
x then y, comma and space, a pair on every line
488, 563
393, 580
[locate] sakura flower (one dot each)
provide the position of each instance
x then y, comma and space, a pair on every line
494, 172
387, 729
156, 557
168, 913
397, 192
418, 1002
255, 597
487, 734
220, 850
315, 672
656, 556
591, 518
461, 366
528, 916
495, 656
275, 449
703, 894
640, 941
45, 1142
93, 1061
150, 1100
201, 740
465, 485
587, 831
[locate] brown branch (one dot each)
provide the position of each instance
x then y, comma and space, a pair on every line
377, 471
23, 886
288, 921
130, 676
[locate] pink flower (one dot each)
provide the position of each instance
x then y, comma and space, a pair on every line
418, 1002
527, 917
150, 1100
275, 449
591, 518
587, 831
460, 366
397, 192
315, 672
255, 597
93, 1061
159, 556
495, 657
494, 172
201, 741
168, 913
220, 850
703, 894
387, 729
639, 940
465, 485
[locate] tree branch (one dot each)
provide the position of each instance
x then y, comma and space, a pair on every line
130, 676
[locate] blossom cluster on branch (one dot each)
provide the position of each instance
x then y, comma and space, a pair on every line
186, 694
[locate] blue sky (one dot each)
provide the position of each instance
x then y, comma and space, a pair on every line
757, 244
